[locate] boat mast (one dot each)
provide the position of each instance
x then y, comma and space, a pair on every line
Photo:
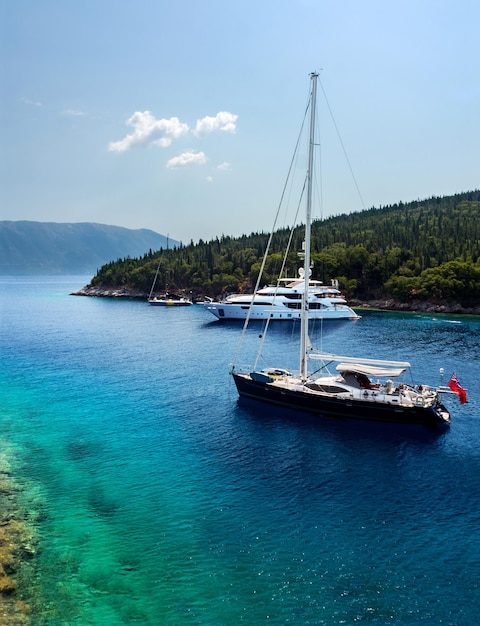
307, 242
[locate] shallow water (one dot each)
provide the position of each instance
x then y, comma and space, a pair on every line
156, 497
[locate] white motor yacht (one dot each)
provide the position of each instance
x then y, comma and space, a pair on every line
284, 302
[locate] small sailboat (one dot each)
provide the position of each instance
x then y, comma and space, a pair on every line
167, 299
359, 388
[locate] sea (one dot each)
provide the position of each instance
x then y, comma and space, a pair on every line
136, 488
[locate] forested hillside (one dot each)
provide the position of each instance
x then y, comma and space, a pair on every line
427, 249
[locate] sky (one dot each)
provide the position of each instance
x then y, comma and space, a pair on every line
181, 116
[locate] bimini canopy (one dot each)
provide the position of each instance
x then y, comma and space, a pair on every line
370, 370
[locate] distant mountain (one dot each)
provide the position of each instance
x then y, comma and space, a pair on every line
82, 248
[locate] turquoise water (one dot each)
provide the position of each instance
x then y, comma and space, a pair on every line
155, 497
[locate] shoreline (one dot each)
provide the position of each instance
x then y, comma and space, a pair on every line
416, 306
382, 304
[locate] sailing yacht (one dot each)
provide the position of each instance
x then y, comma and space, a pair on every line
358, 388
167, 299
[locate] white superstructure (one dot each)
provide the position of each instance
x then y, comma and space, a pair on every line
284, 302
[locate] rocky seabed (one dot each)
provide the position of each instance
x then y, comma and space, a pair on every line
18, 548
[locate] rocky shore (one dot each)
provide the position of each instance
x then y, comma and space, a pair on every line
110, 292
417, 306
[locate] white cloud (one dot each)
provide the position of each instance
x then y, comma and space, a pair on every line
223, 121
209, 179
148, 130
187, 158
224, 166
31, 102
73, 113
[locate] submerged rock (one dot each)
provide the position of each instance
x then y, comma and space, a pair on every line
17, 548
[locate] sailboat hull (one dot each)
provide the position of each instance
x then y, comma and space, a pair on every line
340, 408
169, 302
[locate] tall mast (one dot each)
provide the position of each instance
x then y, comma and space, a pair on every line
307, 243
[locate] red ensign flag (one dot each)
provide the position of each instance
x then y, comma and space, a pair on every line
457, 388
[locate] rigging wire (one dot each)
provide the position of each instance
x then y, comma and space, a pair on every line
267, 249
282, 269
342, 144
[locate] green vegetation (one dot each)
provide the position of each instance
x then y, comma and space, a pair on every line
426, 249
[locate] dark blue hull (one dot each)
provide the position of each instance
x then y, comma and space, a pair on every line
340, 408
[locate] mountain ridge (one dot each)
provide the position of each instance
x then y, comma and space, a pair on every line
77, 248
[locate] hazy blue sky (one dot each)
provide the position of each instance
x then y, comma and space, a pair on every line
182, 116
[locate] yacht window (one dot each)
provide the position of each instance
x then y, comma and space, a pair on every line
247, 306
326, 388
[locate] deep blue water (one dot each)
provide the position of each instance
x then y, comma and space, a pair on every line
158, 499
